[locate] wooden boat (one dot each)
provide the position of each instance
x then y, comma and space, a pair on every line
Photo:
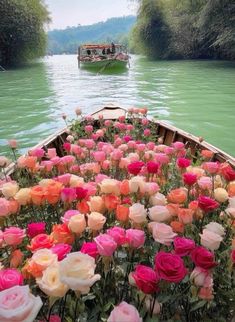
166, 132
103, 56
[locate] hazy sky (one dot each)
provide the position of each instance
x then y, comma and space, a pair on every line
73, 12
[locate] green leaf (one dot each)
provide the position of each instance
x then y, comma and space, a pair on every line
198, 305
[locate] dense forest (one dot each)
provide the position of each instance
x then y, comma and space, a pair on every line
185, 29
22, 34
67, 41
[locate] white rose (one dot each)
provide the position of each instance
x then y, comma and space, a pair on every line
18, 304
210, 239
50, 282
77, 271
44, 258
159, 213
77, 224
158, 199
215, 228
9, 189
137, 184
162, 233
137, 213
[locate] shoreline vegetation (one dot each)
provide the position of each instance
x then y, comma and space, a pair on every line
174, 29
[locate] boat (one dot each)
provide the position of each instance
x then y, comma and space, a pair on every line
165, 132
103, 56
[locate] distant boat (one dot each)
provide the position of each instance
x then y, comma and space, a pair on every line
103, 56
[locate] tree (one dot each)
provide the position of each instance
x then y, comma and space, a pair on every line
22, 34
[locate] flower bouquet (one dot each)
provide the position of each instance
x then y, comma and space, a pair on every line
120, 228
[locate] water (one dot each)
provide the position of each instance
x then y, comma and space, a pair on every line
197, 96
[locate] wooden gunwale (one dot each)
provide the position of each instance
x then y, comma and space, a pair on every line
167, 132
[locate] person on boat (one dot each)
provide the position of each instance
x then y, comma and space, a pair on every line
108, 51
113, 49
103, 51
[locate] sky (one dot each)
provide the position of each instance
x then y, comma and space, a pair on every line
85, 12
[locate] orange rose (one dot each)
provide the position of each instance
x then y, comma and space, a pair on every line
52, 192
124, 187
111, 201
37, 195
122, 213
177, 196
231, 189
40, 241
62, 235
16, 258
177, 227
185, 215
13, 206
83, 207
173, 208
30, 162
207, 154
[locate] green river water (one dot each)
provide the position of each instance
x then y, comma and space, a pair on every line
197, 96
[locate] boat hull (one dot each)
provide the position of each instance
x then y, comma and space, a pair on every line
104, 64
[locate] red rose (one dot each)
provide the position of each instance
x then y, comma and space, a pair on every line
146, 279
189, 178
152, 167
207, 204
227, 172
183, 162
183, 246
67, 146
203, 258
170, 267
135, 167
81, 193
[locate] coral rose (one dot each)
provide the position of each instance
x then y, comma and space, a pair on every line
177, 196
124, 312
62, 235
185, 215
122, 213
77, 271
18, 304
146, 279
40, 241
170, 267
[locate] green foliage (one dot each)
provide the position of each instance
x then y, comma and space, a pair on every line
22, 35
186, 29
67, 41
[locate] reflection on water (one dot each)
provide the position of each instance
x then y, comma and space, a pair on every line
197, 96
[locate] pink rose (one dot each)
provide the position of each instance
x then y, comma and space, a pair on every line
233, 256
10, 277
64, 179
211, 167
68, 195
162, 158
207, 204
189, 178
183, 246
18, 304
124, 312
35, 229
90, 249
13, 236
152, 167
146, 279
135, 167
205, 183
68, 214
61, 250
4, 207
183, 163
170, 267
203, 258
1, 238
162, 233
178, 145
106, 245
135, 237
118, 234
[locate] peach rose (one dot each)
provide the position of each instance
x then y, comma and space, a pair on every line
18, 304
96, 204
96, 221
77, 224
210, 239
137, 213
23, 196
158, 199
177, 196
220, 194
159, 213
75, 181
9, 189
50, 282
185, 215
110, 186
77, 271
162, 233
62, 235
40, 260
231, 189
137, 184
